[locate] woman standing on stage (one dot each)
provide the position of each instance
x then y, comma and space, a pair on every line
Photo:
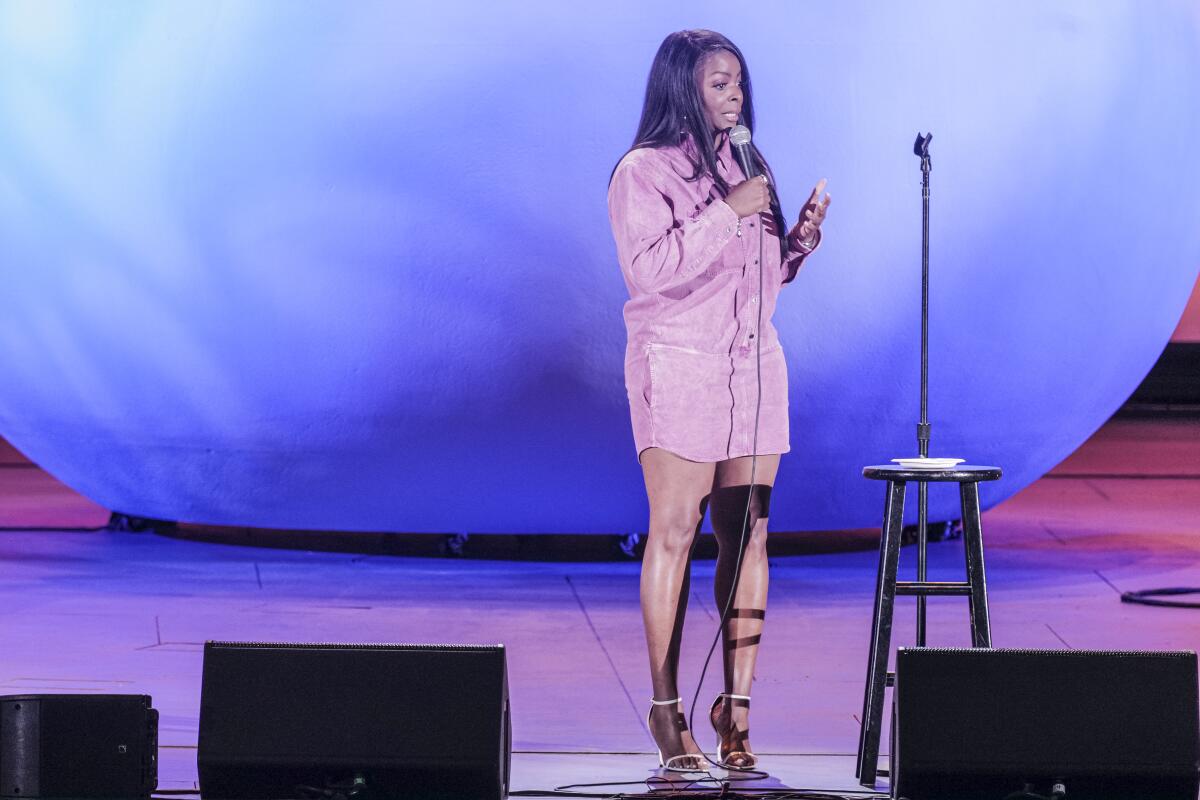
705, 374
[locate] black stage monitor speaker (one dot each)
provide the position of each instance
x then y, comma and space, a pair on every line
382, 720
81, 746
980, 723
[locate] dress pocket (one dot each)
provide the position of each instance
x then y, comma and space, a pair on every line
691, 402
731, 259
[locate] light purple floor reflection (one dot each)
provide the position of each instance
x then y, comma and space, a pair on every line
129, 613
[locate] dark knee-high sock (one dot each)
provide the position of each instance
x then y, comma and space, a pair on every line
742, 548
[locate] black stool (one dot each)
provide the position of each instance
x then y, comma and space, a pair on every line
887, 587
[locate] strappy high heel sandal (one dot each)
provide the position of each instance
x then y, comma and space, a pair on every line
731, 743
674, 763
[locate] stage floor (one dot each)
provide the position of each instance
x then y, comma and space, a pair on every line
121, 612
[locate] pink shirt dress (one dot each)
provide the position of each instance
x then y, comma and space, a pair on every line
693, 312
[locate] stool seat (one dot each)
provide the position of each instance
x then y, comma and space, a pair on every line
959, 474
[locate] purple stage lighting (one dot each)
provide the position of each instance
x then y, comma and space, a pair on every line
349, 266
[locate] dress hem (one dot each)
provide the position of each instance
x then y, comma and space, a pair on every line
772, 452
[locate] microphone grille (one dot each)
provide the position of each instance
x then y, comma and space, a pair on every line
739, 135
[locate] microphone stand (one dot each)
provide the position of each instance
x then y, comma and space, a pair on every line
921, 149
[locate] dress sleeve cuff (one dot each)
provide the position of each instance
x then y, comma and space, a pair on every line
796, 258
717, 224
722, 215
799, 252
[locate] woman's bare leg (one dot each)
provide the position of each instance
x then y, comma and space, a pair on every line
732, 489
677, 490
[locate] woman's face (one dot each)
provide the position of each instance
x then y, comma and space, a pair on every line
721, 89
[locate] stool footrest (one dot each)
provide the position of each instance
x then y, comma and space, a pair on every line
922, 588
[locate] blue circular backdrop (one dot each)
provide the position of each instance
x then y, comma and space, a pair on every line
330, 265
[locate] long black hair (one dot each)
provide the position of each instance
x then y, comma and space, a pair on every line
674, 110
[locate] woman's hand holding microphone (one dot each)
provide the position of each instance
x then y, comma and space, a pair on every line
749, 197
753, 196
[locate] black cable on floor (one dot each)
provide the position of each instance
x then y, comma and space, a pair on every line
1149, 597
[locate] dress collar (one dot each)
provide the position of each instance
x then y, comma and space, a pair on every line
724, 151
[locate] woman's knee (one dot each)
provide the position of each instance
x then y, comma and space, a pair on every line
738, 507
674, 528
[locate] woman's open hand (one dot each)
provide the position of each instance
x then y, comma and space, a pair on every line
804, 235
749, 197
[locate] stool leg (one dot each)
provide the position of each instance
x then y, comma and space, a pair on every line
922, 554
981, 631
881, 635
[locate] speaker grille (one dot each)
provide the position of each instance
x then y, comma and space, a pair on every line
1010, 716
277, 715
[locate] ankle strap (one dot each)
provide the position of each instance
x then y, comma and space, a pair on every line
745, 697
665, 702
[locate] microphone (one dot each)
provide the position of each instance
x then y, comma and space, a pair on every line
739, 138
